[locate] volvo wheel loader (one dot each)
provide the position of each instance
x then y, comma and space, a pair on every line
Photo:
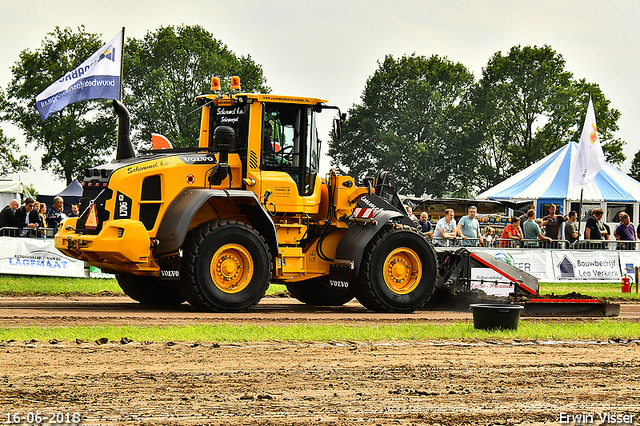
216, 223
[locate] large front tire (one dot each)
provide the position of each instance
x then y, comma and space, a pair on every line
150, 290
398, 272
317, 292
226, 267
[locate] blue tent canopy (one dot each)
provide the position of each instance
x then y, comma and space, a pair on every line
550, 178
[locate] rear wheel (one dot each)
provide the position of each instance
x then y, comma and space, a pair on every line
398, 271
317, 292
226, 266
149, 290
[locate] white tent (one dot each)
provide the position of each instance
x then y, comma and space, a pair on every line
10, 189
549, 181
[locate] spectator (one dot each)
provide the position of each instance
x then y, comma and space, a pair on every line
488, 236
511, 232
43, 213
594, 229
410, 213
7, 217
625, 232
25, 219
469, 228
55, 215
553, 223
532, 232
523, 218
571, 233
75, 212
34, 216
445, 230
425, 225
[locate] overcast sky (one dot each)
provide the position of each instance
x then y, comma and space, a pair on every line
328, 49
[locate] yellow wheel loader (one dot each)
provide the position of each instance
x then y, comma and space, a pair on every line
216, 223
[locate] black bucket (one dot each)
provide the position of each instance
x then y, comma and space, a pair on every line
496, 317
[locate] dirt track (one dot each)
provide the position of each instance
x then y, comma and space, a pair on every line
282, 383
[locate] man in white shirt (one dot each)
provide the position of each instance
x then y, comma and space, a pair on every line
445, 231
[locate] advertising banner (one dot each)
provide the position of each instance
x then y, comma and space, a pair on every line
534, 262
490, 281
35, 256
629, 260
586, 266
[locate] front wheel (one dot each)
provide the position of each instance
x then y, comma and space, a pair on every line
398, 271
226, 266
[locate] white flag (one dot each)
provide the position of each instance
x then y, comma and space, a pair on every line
589, 158
96, 78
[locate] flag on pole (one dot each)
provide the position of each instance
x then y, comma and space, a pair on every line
589, 158
96, 78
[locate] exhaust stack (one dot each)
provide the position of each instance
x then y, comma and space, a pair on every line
125, 147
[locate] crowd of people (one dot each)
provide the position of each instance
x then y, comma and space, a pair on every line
550, 231
33, 219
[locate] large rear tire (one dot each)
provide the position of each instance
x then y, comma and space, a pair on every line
149, 290
226, 267
398, 271
317, 292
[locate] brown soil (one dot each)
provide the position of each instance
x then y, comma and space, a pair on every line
305, 383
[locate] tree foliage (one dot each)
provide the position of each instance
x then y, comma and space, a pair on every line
412, 120
635, 167
81, 134
528, 105
165, 71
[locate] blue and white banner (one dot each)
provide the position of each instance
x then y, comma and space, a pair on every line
37, 256
96, 78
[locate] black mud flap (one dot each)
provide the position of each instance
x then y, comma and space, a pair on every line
340, 276
170, 268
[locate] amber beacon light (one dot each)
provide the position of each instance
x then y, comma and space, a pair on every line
235, 83
215, 84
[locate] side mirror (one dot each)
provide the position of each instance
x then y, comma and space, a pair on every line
337, 128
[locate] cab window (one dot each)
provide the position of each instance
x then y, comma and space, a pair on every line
290, 143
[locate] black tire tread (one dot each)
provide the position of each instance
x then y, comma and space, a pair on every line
188, 284
149, 290
364, 291
314, 293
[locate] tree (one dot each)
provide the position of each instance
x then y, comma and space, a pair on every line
76, 137
165, 71
412, 120
528, 105
8, 162
635, 167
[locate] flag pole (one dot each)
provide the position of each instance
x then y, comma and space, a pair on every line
121, 67
580, 210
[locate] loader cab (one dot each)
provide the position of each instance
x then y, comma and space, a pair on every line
290, 143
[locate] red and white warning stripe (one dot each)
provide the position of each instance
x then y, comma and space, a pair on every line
361, 213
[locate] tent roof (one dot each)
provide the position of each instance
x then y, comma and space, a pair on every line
74, 189
13, 187
551, 178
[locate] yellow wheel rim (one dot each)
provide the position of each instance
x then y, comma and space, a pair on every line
402, 270
231, 268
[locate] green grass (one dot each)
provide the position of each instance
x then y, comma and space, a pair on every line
54, 285
531, 330
597, 290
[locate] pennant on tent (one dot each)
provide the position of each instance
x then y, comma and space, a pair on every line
589, 157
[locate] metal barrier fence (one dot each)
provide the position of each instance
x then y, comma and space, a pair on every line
533, 244
10, 231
